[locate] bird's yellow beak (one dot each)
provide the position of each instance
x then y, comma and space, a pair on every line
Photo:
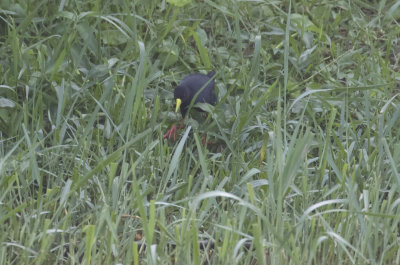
178, 104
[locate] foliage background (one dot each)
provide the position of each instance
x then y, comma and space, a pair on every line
303, 165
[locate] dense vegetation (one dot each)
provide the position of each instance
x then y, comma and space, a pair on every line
303, 154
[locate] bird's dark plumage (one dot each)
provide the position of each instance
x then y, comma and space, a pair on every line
190, 85
187, 89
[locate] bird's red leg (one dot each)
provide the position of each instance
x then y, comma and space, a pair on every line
172, 132
204, 141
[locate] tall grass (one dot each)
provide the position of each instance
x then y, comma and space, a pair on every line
302, 164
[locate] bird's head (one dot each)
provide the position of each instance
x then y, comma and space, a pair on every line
181, 95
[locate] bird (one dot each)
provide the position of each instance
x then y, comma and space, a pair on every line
193, 85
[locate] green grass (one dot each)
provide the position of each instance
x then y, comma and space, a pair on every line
303, 167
